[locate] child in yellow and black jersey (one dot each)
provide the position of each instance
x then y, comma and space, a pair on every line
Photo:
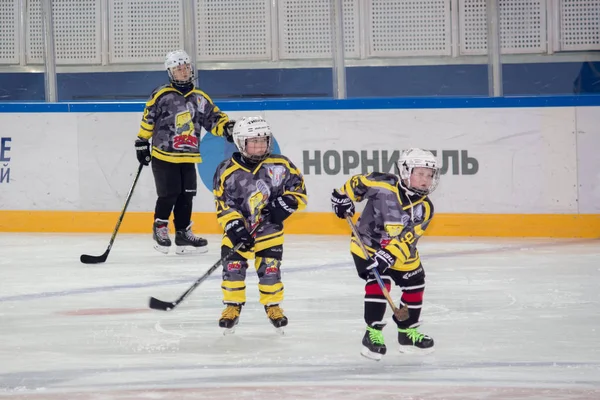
397, 213
169, 136
255, 187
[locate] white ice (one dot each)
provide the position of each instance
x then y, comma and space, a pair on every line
511, 319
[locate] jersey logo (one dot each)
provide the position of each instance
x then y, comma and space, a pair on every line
201, 104
258, 199
184, 132
393, 229
418, 213
272, 266
405, 219
276, 173
234, 266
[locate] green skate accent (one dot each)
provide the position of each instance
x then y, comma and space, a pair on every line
413, 334
376, 336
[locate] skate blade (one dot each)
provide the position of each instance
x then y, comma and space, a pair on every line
190, 250
415, 350
365, 352
161, 249
228, 331
280, 331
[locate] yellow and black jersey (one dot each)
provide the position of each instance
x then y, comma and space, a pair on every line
242, 190
389, 211
173, 120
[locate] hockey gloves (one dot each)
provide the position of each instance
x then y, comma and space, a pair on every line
342, 204
237, 232
142, 150
382, 260
279, 209
228, 131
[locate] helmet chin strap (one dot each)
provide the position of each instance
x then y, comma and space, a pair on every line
409, 193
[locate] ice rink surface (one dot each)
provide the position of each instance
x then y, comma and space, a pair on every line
512, 319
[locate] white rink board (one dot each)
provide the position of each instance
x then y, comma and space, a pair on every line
588, 154
529, 159
43, 162
516, 149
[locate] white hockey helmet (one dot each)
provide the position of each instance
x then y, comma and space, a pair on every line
250, 128
418, 158
173, 60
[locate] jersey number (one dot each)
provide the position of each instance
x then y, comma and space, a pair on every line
408, 238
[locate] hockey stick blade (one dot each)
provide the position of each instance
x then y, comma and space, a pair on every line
157, 304
87, 259
401, 313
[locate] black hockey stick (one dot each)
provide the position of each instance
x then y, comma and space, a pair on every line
157, 304
400, 313
86, 258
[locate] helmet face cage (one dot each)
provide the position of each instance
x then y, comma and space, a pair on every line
417, 158
251, 128
175, 59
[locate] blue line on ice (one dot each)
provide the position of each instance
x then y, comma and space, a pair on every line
347, 264
189, 280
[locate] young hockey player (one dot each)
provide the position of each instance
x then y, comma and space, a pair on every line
255, 188
397, 212
173, 118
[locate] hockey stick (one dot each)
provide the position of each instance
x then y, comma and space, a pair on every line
157, 304
86, 258
401, 313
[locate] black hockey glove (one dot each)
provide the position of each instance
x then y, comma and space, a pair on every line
142, 150
382, 260
279, 209
228, 131
237, 232
341, 204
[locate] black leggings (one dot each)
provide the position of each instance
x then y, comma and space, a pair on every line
176, 186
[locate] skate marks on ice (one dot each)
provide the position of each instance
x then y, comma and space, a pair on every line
342, 390
497, 318
411, 380
182, 270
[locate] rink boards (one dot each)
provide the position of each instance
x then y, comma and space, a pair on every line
512, 167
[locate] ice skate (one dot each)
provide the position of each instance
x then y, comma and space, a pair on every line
188, 243
160, 233
373, 343
414, 342
230, 318
277, 318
